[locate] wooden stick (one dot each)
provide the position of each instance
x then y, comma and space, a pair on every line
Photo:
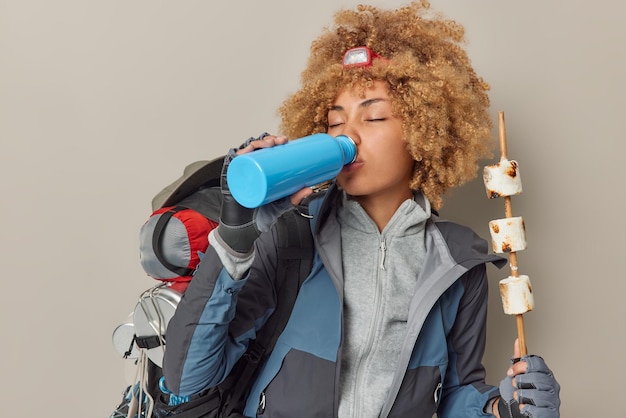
508, 210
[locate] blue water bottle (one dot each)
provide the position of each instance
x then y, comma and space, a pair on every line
268, 174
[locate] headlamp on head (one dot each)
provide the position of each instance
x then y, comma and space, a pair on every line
361, 56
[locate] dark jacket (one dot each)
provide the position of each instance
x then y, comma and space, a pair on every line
439, 369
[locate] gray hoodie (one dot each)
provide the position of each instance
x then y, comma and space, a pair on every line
380, 271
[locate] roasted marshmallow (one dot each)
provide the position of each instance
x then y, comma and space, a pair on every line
502, 179
508, 234
517, 295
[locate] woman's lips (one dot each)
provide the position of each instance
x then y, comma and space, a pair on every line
352, 166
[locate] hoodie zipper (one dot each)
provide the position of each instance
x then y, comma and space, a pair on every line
370, 342
383, 253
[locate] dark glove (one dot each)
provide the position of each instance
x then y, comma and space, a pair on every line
537, 389
239, 226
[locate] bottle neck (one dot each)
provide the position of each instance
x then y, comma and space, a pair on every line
348, 148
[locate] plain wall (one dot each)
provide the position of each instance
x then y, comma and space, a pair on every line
102, 103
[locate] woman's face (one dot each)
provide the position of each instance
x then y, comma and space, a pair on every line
383, 166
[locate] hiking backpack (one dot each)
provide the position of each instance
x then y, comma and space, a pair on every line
172, 243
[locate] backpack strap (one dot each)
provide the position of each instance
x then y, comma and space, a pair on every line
157, 238
295, 259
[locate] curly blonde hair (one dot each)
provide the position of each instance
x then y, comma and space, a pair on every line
433, 88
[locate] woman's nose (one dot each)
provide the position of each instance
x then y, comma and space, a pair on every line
352, 132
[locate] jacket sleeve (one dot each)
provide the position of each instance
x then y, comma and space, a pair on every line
216, 318
464, 384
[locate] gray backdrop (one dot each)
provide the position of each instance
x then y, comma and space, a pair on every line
102, 103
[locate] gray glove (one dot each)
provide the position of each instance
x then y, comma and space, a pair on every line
537, 389
239, 226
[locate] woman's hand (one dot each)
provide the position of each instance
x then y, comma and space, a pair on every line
239, 226
529, 390
264, 141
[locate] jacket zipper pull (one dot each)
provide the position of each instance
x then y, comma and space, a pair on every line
261, 407
437, 390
